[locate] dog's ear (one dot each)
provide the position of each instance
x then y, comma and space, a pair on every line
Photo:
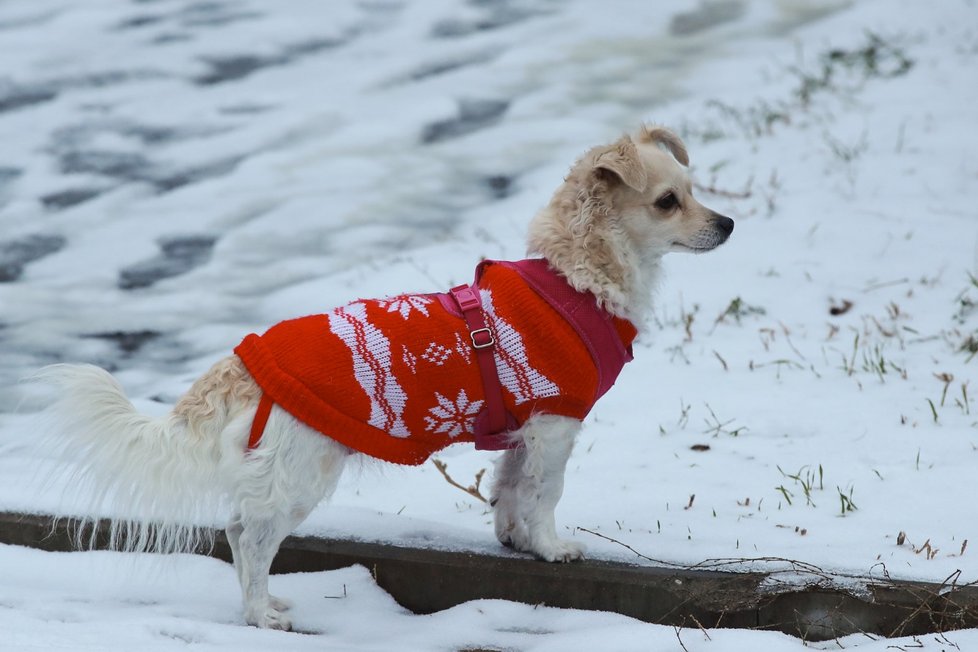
662, 136
621, 159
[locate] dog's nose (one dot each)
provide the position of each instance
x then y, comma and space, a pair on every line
725, 224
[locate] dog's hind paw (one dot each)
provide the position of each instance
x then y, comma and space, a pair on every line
560, 551
270, 618
279, 604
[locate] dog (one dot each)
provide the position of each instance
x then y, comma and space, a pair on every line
234, 441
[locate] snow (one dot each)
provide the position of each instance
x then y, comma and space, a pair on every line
373, 148
109, 601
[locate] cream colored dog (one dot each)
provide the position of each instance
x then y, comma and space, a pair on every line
621, 208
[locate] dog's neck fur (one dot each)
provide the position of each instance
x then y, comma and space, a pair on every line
581, 239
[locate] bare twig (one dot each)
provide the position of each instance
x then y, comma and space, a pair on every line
722, 361
472, 490
700, 625
884, 284
629, 548
337, 597
681, 644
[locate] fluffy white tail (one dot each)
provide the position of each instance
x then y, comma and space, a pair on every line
156, 479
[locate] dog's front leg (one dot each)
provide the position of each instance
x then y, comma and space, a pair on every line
528, 487
510, 523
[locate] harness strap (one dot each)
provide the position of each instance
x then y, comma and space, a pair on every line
483, 342
261, 419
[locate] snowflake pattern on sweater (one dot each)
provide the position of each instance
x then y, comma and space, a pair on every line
453, 417
396, 378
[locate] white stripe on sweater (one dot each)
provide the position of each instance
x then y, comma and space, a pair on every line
515, 373
372, 367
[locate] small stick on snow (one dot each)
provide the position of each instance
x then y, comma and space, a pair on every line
472, 490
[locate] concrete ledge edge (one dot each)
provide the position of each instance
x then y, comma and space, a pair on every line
428, 580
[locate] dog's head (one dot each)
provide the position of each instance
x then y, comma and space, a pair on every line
620, 209
652, 196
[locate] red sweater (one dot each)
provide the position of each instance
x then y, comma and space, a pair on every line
397, 378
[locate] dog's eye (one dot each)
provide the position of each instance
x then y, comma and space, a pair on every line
666, 202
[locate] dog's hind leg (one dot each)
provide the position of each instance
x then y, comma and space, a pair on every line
280, 482
529, 485
234, 529
257, 545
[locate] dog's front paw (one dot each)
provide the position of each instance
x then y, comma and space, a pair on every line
512, 534
558, 550
270, 618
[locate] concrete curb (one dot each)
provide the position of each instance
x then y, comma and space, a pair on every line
426, 581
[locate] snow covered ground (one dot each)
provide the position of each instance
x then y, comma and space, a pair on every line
177, 174
87, 602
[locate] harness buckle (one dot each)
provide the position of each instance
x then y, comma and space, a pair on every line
482, 338
467, 298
